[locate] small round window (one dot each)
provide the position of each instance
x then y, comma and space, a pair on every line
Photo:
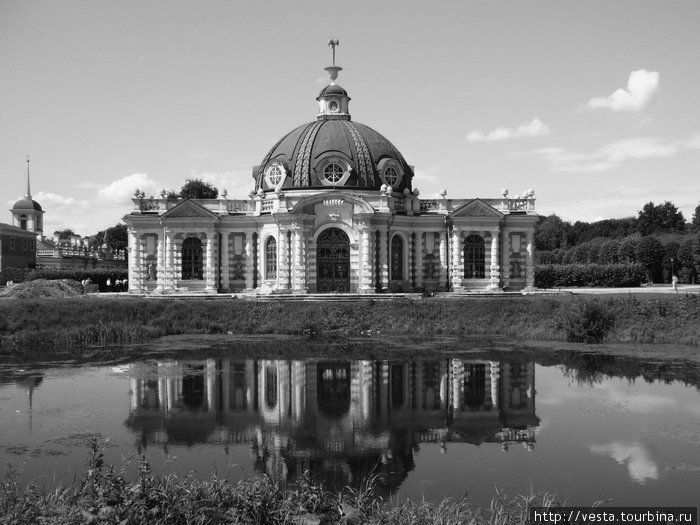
391, 176
333, 172
274, 175
333, 106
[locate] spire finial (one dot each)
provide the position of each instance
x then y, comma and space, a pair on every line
333, 70
29, 193
334, 43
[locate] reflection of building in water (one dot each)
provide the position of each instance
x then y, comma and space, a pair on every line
338, 419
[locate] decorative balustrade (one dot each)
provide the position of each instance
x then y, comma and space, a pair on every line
149, 205
400, 205
429, 206
241, 207
267, 206
521, 205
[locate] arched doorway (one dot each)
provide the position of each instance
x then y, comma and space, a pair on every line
474, 253
333, 261
192, 267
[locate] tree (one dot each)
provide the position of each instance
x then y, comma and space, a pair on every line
660, 218
117, 237
609, 252
650, 253
627, 252
198, 189
695, 224
550, 233
65, 234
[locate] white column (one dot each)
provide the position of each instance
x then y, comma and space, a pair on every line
249, 268
494, 283
443, 260
366, 259
505, 251
457, 265
169, 262
383, 276
225, 276
418, 257
495, 381
299, 279
530, 262
160, 254
209, 269
282, 261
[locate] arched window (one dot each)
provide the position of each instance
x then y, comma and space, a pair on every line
333, 172
397, 257
474, 255
23, 222
271, 258
192, 266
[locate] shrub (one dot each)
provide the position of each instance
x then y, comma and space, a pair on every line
585, 321
584, 275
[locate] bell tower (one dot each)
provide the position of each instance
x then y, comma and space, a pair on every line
27, 213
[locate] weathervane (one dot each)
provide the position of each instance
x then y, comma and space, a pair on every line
333, 43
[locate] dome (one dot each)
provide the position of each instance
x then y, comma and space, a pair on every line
27, 204
332, 89
335, 153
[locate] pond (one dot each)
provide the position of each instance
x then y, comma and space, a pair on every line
587, 427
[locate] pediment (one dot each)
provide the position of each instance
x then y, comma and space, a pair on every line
189, 209
477, 208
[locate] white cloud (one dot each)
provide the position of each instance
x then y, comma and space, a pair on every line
640, 464
121, 191
535, 128
641, 87
237, 182
612, 155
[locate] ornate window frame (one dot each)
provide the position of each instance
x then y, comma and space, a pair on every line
326, 163
275, 174
391, 172
271, 257
397, 257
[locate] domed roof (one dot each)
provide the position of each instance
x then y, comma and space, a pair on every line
309, 153
333, 89
27, 203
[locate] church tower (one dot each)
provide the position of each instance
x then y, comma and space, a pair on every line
27, 213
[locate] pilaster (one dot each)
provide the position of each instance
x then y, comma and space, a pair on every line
383, 276
457, 264
530, 262
495, 277
282, 261
418, 258
443, 259
225, 276
249, 261
210, 265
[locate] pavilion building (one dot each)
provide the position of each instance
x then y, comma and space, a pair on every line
332, 209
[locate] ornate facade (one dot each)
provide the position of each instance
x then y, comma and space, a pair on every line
332, 209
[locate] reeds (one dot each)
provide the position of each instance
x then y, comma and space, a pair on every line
104, 495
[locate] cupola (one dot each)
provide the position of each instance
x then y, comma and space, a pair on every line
333, 101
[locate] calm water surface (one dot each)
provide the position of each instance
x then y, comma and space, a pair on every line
430, 428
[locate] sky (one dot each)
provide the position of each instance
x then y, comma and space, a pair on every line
593, 104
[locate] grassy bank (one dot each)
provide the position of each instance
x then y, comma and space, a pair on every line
83, 321
104, 495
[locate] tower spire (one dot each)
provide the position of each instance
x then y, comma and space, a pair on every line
333, 70
29, 193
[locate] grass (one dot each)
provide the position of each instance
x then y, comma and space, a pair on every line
85, 321
105, 496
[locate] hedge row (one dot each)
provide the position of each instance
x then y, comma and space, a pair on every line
98, 276
591, 275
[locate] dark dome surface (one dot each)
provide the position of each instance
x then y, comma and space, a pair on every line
27, 204
333, 89
305, 150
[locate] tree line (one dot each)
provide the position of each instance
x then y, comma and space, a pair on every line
659, 239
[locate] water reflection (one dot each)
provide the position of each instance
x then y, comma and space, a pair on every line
338, 419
